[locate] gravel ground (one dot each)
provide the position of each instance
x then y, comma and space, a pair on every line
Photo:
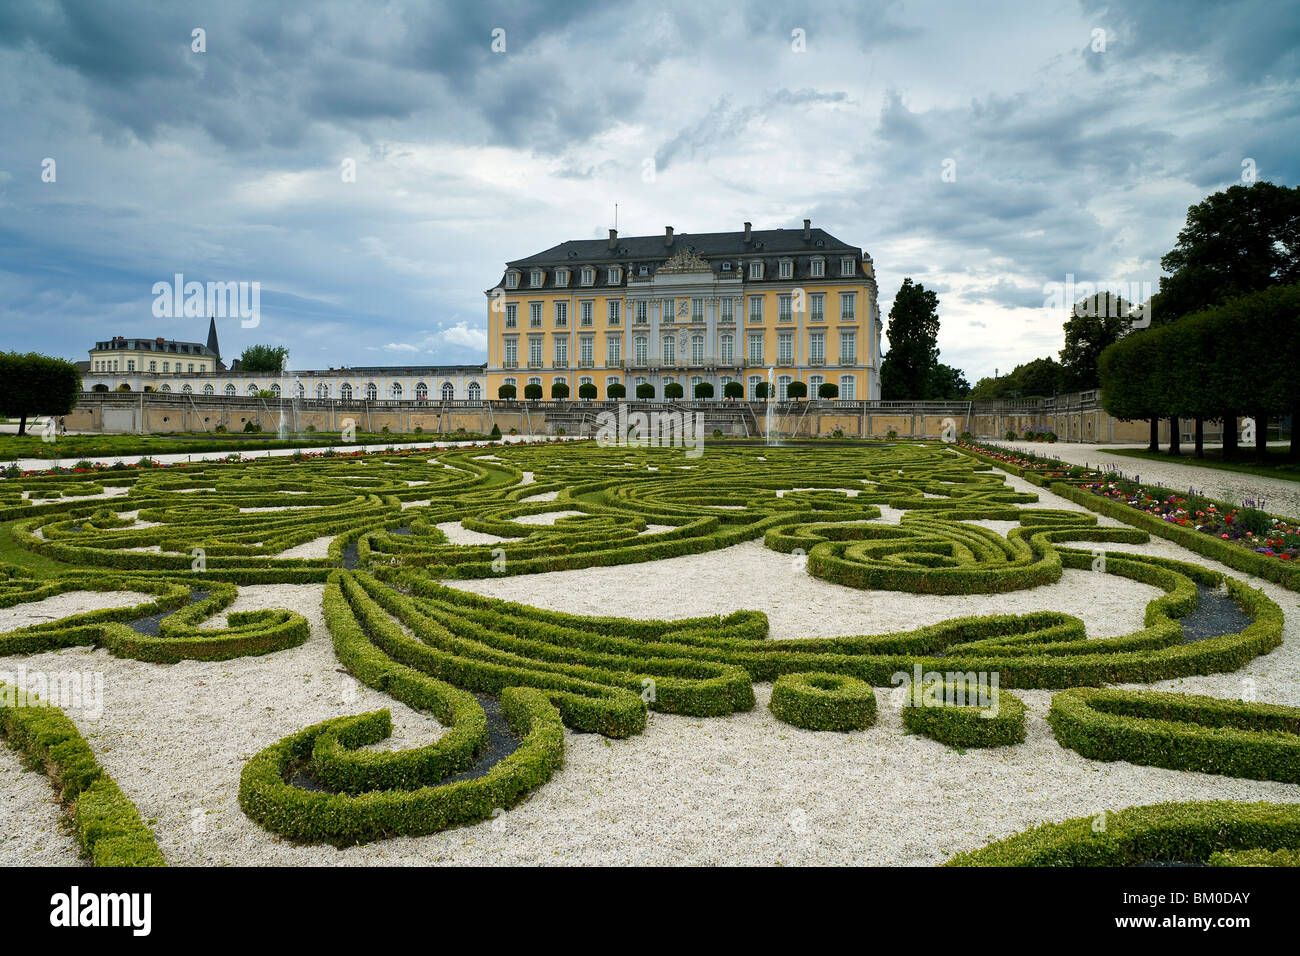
31, 830
1281, 497
745, 789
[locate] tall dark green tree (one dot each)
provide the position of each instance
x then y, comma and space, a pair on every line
35, 384
947, 384
913, 343
264, 358
1094, 323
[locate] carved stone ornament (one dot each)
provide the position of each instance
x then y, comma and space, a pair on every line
684, 261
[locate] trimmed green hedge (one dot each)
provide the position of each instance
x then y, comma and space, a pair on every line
1255, 858
106, 823
1180, 732
960, 715
1158, 833
819, 701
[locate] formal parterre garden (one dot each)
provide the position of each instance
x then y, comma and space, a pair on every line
512, 683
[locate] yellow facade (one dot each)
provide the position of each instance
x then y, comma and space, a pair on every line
683, 318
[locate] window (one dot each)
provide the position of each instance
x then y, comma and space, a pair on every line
756, 348
323, 390
208, 389
728, 310
613, 351
611, 380
756, 308
512, 280
818, 269
783, 311
167, 367
782, 387
814, 383
395, 391
252, 388
613, 274
848, 306
816, 348
669, 346
230, 390
726, 349
753, 386
345, 391
586, 313
534, 380
848, 348
164, 388
588, 275
666, 309
535, 352
787, 269
756, 270
697, 310
726, 267
642, 312
536, 278
695, 381
130, 365
562, 352
475, 390
846, 266
511, 381
817, 307
512, 354
190, 369
153, 366
697, 350
848, 387
534, 315
785, 348
561, 277
275, 390
640, 348
561, 315
187, 389
372, 392
448, 391
615, 310
512, 315
585, 349
421, 392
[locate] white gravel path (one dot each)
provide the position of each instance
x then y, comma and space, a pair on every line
32, 830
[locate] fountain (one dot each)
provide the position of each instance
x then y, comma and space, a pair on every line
283, 430
769, 430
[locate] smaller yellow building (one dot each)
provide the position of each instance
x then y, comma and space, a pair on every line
151, 356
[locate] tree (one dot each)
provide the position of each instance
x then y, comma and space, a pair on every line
264, 358
1241, 240
913, 343
761, 389
733, 390
704, 390
506, 392
587, 391
796, 390
1094, 323
645, 391
533, 391
1039, 377
828, 390
559, 391
616, 390
946, 384
31, 383
673, 390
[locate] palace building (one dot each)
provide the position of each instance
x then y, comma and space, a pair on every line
719, 307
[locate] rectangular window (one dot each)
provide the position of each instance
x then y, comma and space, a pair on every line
848, 306
153, 366
756, 308
642, 312
817, 307
535, 353
816, 348
512, 280
726, 350
670, 350
848, 348
167, 366
787, 269
561, 314
783, 311
615, 308
666, 308
639, 349
588, 275
130, 365
561, 352
818, 268
846, 267
534, 315
585, 350
587, 313
512, 354
613, 350
538, 277
697, 310
561, 277
612, 275
848, 388
728, 307
512, 315
756, 270
756, 348
785, 348
697, 350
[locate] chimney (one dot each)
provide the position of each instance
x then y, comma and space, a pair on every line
807, 228
749, 228
613, 238
668, 236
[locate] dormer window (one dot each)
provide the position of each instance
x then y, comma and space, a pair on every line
726, 267
644, 270
588, 275
818, 267
787, 269
512, 280
561, 277
613, 275
756, 270
846, 266
537, 277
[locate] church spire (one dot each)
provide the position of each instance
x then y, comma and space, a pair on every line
213, 347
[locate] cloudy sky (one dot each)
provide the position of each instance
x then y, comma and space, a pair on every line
1074, 135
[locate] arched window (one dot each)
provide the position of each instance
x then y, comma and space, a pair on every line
753, 387
534, 380
814, 383
372, 392
208, 389
782, 383
230, 390
275, 389
395, 391
726, 349
640, 345
848, 387
345, 391
474, 391
252, 388
164, 388
511, 381
322, 390
421, 392
448, 391
187, 390
300, 390
612, 380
